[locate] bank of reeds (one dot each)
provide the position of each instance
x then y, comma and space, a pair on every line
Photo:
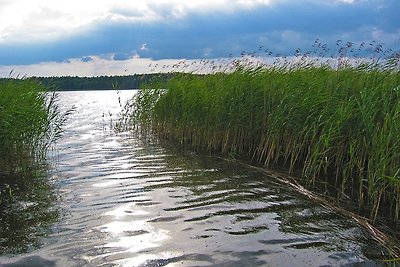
30, 120
339, 125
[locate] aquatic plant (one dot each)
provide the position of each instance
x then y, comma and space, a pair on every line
333, 121
30, 121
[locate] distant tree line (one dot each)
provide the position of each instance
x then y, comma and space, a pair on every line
66, 83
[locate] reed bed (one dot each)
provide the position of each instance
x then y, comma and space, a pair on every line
30, 121
336, 125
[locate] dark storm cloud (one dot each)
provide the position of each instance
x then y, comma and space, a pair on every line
281, 27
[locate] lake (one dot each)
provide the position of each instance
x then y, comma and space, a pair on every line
122, 199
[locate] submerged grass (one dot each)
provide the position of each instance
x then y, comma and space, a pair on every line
339, 125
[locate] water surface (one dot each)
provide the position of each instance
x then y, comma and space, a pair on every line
130, 201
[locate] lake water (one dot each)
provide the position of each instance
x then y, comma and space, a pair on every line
124, 200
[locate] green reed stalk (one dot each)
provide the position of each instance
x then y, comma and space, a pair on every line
30, 121
336, 126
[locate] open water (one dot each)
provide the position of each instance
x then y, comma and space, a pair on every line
123, 200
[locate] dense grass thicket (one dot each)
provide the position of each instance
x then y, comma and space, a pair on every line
30, 121
336, 125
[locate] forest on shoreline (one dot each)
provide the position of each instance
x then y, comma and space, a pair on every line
72, 83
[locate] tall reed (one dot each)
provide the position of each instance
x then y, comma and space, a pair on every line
336, 124
30, 120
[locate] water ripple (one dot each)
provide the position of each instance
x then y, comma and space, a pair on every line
125, 201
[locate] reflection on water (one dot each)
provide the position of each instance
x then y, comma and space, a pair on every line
127, 201
26, 210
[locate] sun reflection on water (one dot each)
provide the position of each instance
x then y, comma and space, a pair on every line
130, 234
132, 202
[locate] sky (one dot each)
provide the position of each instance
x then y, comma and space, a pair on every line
117, 37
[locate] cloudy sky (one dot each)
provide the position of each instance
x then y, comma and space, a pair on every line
107, 37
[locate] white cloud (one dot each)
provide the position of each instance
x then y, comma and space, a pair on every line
27, 20
144, 47
91, 66
391, 39
43, 19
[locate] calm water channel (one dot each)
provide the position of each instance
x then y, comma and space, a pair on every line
126, 201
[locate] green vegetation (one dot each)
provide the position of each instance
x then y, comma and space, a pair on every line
96, 83
68, 83
30, 121
331, 124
